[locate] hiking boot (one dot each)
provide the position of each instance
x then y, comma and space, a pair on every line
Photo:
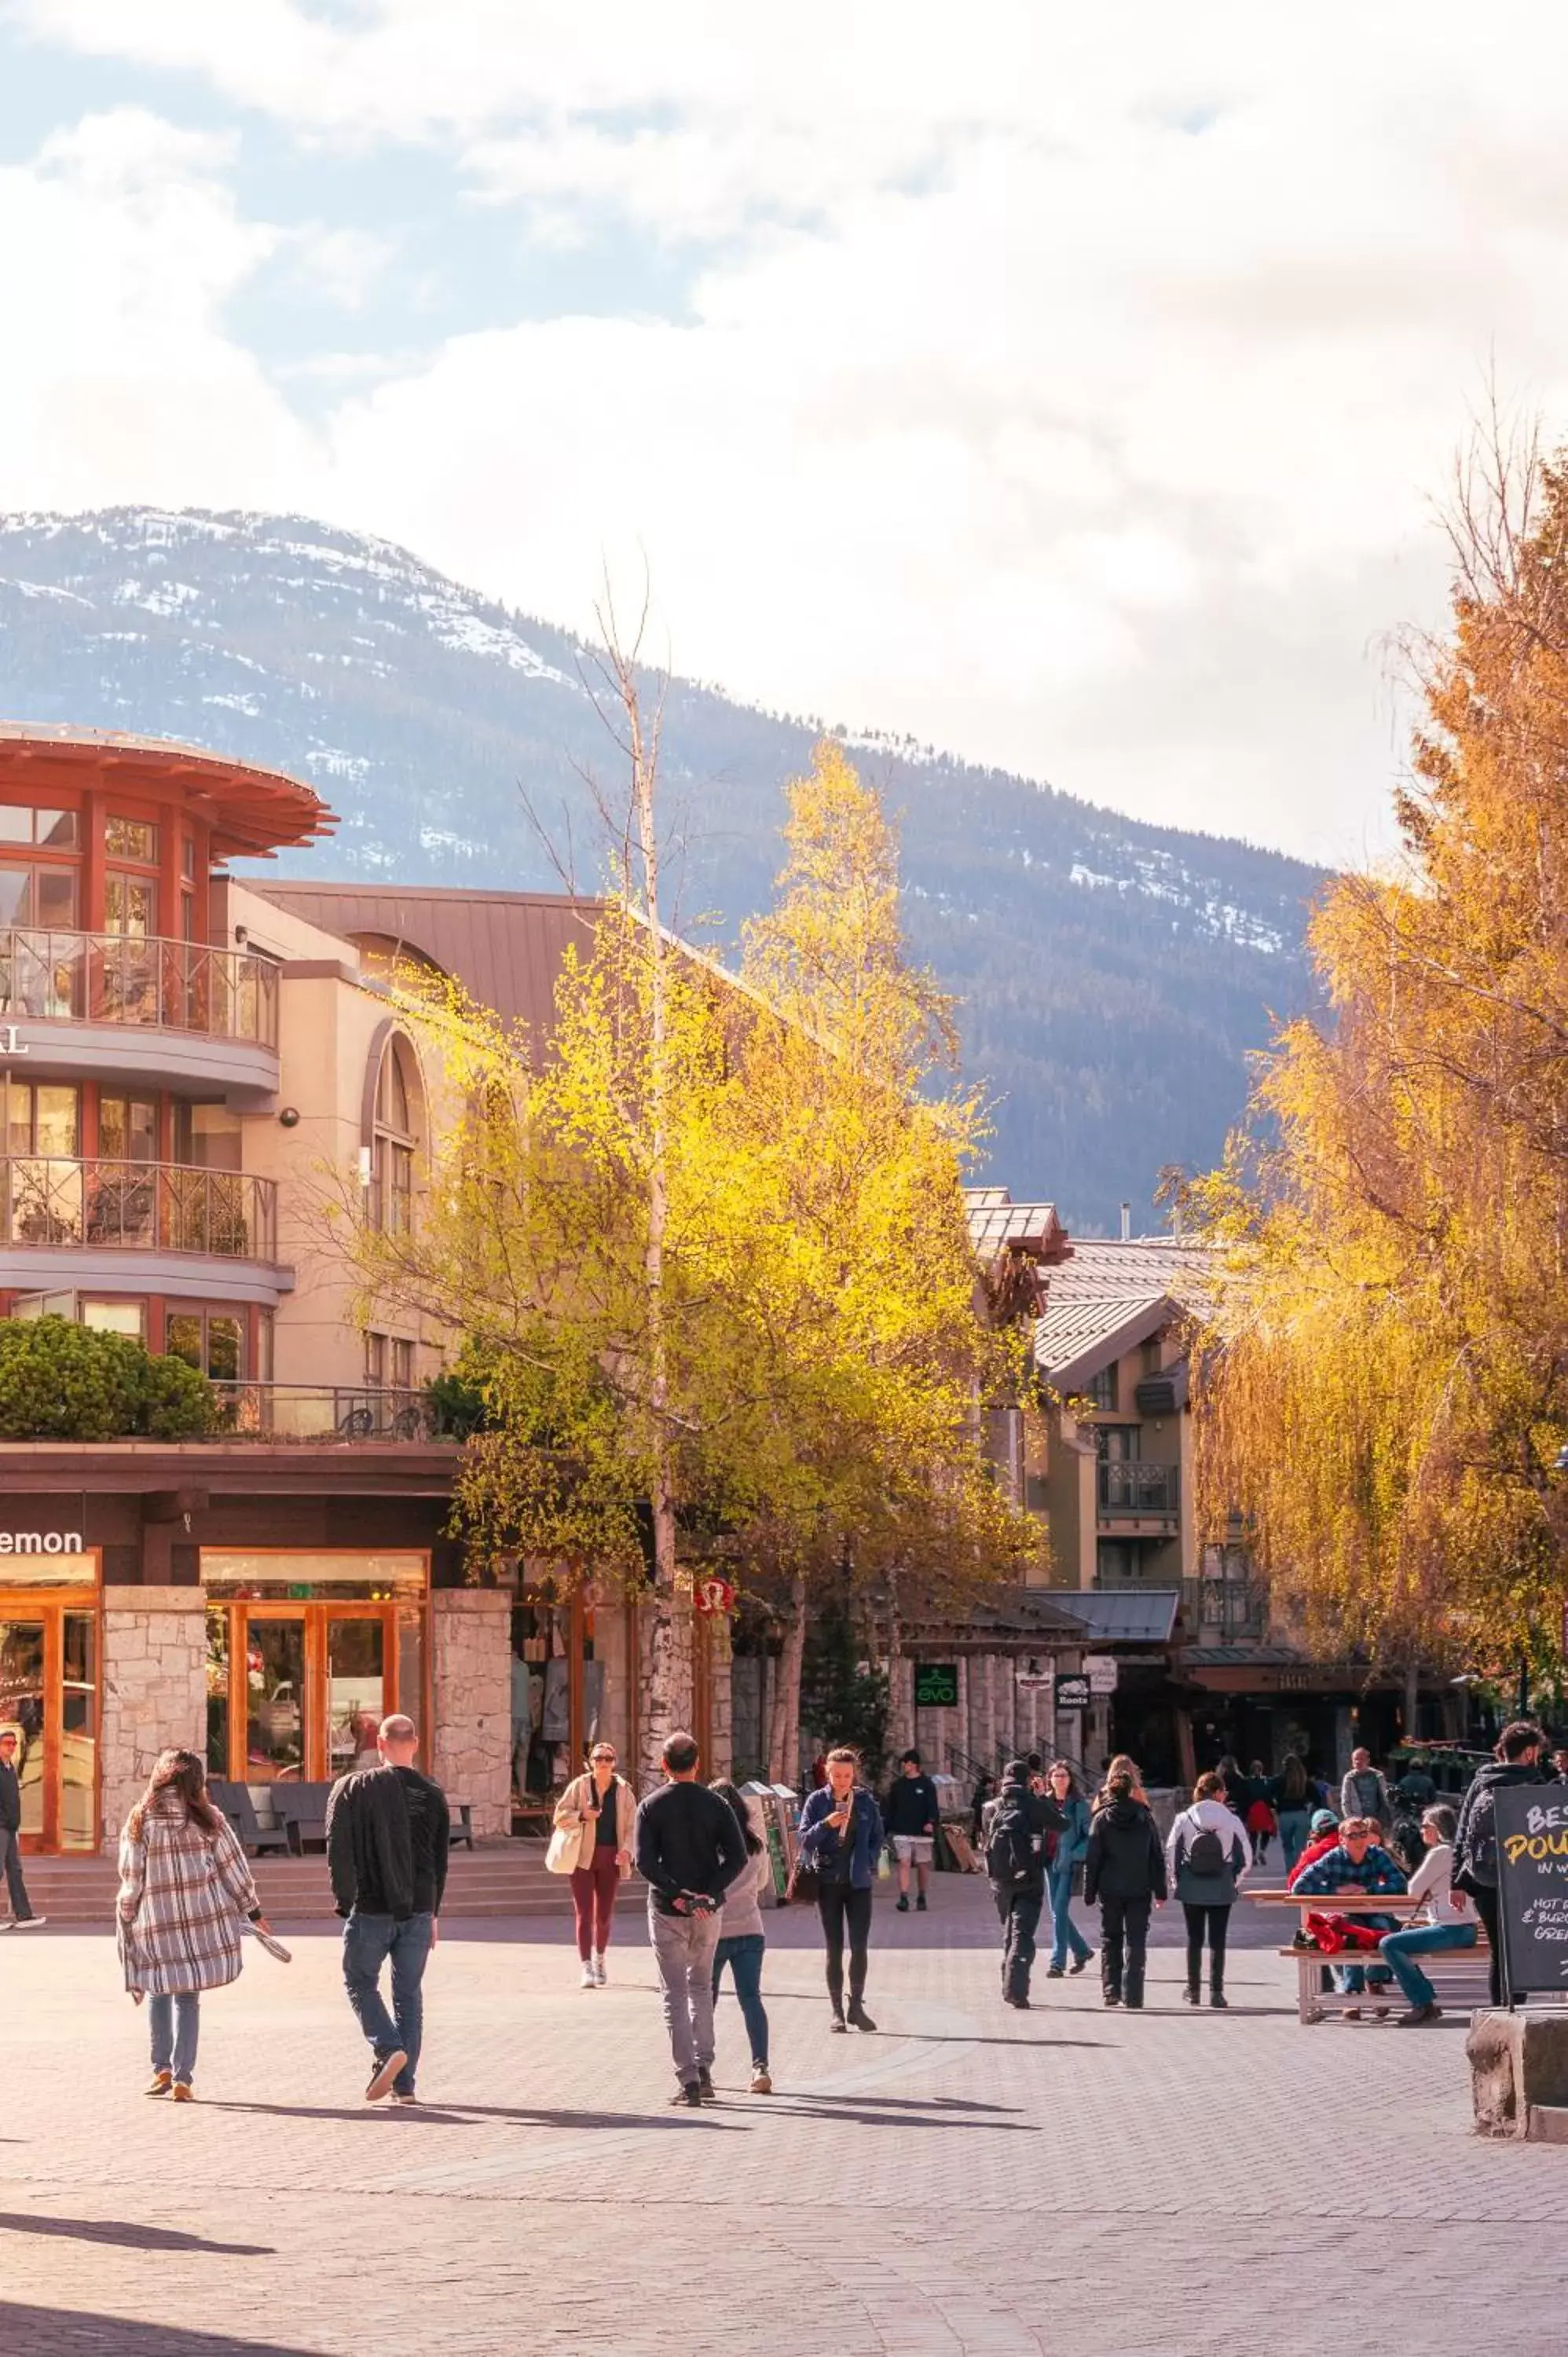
1133, 2005
1191, 1994
705, 2087
161, 2082
859, 2016
920, 1904
761, 2079
1112, 1997
1219, 2001
1019, 2004
688, 2098
903, 1908
383, 2075
1430, 2011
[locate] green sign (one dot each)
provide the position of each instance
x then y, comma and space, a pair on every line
936, 1685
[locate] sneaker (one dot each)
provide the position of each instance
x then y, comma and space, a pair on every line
184, 2092
1082, 1964
1189, 1996
385, 2071
903, 1907
601, 1979
161, 2082
761, 2081
1112, 1997
838, 2021
29, 1922
859, 2016
402, 2095
1351, 2013
1430, 2011
688, 2098
1219, 2001
590, 1978
1055, 1972
705, 2087
1131, 2005
920, 1904
1018, 2004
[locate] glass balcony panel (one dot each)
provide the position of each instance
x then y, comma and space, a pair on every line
126, 977
137, 1206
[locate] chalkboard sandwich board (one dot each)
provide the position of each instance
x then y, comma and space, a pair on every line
1533, 1886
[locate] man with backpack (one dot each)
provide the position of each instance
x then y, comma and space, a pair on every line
1518, 1750
1015, 1867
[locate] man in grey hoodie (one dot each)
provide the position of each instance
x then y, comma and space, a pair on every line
1365, 1790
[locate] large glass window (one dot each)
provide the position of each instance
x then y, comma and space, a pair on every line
41, 1118
211, 1340
376, 1574
130, 906
127, 1128
132, 838
207, 1135
117, 1317
391, 1148
53, 829
38, 899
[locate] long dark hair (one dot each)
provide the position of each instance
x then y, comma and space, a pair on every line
183, 1772
727, 1792
1294, 1790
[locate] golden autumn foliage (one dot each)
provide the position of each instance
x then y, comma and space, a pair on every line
1391, 1391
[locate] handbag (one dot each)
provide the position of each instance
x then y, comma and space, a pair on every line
804, 1883
564, 1850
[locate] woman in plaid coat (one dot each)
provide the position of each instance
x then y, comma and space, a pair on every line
184, 1886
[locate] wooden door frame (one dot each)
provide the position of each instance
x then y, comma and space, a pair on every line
46, 1607
313, 1613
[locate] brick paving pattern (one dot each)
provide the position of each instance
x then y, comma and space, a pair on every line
970, 2183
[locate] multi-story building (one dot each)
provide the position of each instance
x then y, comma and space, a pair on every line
191, 1068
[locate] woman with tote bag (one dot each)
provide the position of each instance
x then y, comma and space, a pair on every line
592, 1843
184, 1892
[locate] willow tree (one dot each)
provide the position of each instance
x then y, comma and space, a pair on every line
1391, 1391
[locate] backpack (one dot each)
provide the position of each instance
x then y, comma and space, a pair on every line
1480, 1859
1010, 1850
1206, 1852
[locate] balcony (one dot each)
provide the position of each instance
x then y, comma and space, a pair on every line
156, 1011
360, 1412
1224, 1611
49, 1202
1134, 1491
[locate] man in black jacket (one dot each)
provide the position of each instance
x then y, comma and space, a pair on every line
1125, 1872
1023, 1814
22, 1914
389, 1830
690, 1848
909, 1816
1475, 1868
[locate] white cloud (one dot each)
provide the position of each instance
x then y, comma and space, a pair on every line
1068, 392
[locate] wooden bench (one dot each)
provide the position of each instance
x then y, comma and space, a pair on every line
1315, 2003
462, 1823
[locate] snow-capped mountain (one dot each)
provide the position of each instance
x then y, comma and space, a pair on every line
1113, 975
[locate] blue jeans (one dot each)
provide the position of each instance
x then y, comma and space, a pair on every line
1401, 1948
368, 1941
744, 1957
175, 2022
1064, 1931
1350, 1980
1294, 1826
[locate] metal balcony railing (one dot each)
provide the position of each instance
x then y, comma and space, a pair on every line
1133, 1486
1224, 1611
324, 1412
48, 1199
115, 978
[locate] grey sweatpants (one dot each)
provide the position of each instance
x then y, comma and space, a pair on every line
684, 1949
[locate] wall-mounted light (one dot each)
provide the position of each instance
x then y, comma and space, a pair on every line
241, 935
289, 1117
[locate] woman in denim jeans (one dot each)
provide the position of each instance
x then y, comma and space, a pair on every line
1072, 1849
741, 1942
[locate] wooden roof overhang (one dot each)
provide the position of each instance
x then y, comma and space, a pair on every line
251, 812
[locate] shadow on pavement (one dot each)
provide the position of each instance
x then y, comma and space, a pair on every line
63, 2334
455, 2115
825, 2107
134, 2237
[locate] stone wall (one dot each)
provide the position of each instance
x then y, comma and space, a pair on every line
155, 1690
470, 1640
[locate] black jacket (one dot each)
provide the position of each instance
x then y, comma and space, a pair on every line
1042, 1816
380, 1859
687, 1839
10, 1800
1126, 1859
1475, 1840
911, 1804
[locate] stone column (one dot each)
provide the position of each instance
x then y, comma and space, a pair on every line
470, 1645
154, 1691
721, 1657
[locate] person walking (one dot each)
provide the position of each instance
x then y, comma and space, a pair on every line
602, 1806
841, 1836
1364, 1791
1124, 1874
185, 1889
690, 1848
389, 1830
1016, 1868
1066, 1849
22, 1916
1205, 1857
909, 1814
1291, 1794
742, 1940
1517, 1760
1449, 1925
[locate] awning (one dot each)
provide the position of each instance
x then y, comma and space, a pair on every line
1122, 1615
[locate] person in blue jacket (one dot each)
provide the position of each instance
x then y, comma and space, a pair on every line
842, 1837
1064, 1851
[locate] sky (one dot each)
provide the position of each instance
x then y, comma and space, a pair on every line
1071, 389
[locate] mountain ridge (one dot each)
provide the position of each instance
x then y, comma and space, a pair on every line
1113, 974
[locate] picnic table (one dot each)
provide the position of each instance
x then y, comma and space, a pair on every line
1313, 2001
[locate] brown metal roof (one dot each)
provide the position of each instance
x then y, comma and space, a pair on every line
505, 948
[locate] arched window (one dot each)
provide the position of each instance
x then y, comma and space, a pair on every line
394, 1136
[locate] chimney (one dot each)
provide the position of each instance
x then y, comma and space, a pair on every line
1126, 1223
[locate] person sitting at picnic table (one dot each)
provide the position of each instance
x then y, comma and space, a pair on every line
1449, 1921
1354, 1866
1323, 1835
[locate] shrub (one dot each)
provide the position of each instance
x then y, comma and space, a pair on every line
60, 1381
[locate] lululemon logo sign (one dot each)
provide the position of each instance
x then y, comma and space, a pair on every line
40, 1543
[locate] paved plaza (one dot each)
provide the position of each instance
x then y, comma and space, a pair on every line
968, 2181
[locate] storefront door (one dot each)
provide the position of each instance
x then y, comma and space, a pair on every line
49, 1699
306, 1686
